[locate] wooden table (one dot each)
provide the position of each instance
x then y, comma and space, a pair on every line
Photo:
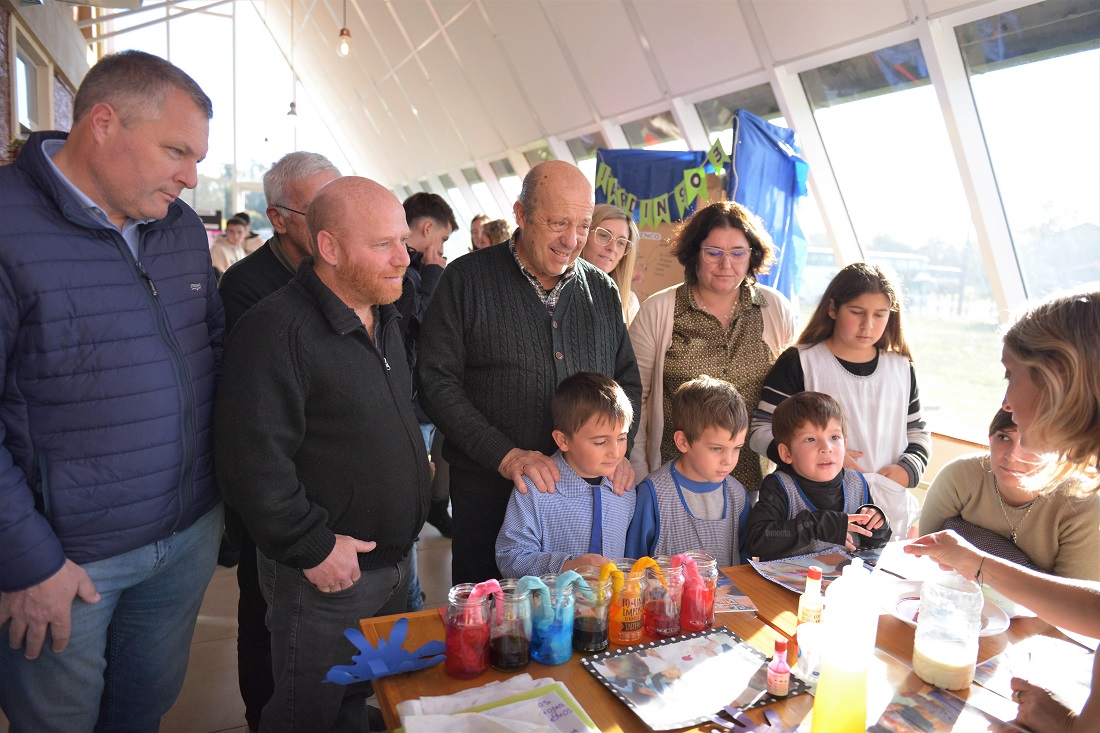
775, 618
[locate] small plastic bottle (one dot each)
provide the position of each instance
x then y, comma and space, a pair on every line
779, 672
810, 602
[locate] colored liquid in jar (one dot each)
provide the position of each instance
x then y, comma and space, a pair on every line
697, 611
508, 652
626, 620
658, 622
589, 634
552, 643
467, 650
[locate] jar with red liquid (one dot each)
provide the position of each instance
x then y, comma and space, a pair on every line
510, 628
661, 602
467, 653
625, 611
697, 605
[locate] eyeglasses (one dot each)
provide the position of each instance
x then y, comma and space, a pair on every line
604, 238
714, 256
287, 208
560, 225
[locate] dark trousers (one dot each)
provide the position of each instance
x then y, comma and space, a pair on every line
307, 634
253, 639
477, 519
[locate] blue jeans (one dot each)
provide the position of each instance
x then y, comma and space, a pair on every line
307, 639
416, 601
127, 656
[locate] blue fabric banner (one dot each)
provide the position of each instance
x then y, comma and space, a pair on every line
769, 177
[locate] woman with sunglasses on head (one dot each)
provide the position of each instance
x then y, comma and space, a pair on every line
719, 322
612, 246
1051, 357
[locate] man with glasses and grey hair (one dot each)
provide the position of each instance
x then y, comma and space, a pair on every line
506, 325
289, 187
112, 336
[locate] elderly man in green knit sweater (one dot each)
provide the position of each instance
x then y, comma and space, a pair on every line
506, 325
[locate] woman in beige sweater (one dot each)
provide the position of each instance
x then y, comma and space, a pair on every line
985, 498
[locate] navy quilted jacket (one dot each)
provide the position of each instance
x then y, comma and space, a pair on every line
109, 369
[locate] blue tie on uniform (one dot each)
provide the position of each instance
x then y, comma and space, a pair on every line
595, 545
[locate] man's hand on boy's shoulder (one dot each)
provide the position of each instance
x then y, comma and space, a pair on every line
622, 480
538, 467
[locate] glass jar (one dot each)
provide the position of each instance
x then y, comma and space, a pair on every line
467, 640
945, 648
552, 623
591, 616
661, 602
697, 604
625, 612
510, 628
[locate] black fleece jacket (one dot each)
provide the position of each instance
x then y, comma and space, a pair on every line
314, 434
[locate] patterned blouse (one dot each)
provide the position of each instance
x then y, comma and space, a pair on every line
700, 345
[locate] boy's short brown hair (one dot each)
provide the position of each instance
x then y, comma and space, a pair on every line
815, 408
707, 402
585, 394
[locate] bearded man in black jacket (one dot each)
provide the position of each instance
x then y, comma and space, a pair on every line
318, 449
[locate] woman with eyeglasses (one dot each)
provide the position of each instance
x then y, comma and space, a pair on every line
612, 246
719, 322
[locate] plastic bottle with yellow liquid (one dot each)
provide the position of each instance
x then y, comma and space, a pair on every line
850, 624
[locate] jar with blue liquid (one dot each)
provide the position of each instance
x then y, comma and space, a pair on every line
552, 623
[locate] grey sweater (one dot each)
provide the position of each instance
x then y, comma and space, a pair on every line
491, 357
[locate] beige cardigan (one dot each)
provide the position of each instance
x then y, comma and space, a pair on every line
651, 336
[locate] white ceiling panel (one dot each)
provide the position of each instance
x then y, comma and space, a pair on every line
416, 17
448, 9
388, 35
438, 129
795, 28
471, 117
491, 78
713, 47
385, 145
410, 135
540, 64
608, 54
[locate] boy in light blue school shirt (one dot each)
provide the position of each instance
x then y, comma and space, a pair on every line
692, 503
583, 521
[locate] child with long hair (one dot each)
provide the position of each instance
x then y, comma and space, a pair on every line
854, 349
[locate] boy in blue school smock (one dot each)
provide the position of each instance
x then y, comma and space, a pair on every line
692, 502
582, 521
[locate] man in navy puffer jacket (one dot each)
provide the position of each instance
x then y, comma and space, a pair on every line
110, 326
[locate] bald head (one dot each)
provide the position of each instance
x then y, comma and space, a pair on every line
343, 200
551, 179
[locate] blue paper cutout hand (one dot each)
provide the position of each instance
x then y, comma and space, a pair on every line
388, 658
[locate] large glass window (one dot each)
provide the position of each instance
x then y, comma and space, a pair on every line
482, 193
717, 113
506, 176
460, 242
583, 148
1035, 75
537, 155
656, 132
888, 146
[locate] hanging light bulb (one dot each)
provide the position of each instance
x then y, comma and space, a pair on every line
292, 115
343, 43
